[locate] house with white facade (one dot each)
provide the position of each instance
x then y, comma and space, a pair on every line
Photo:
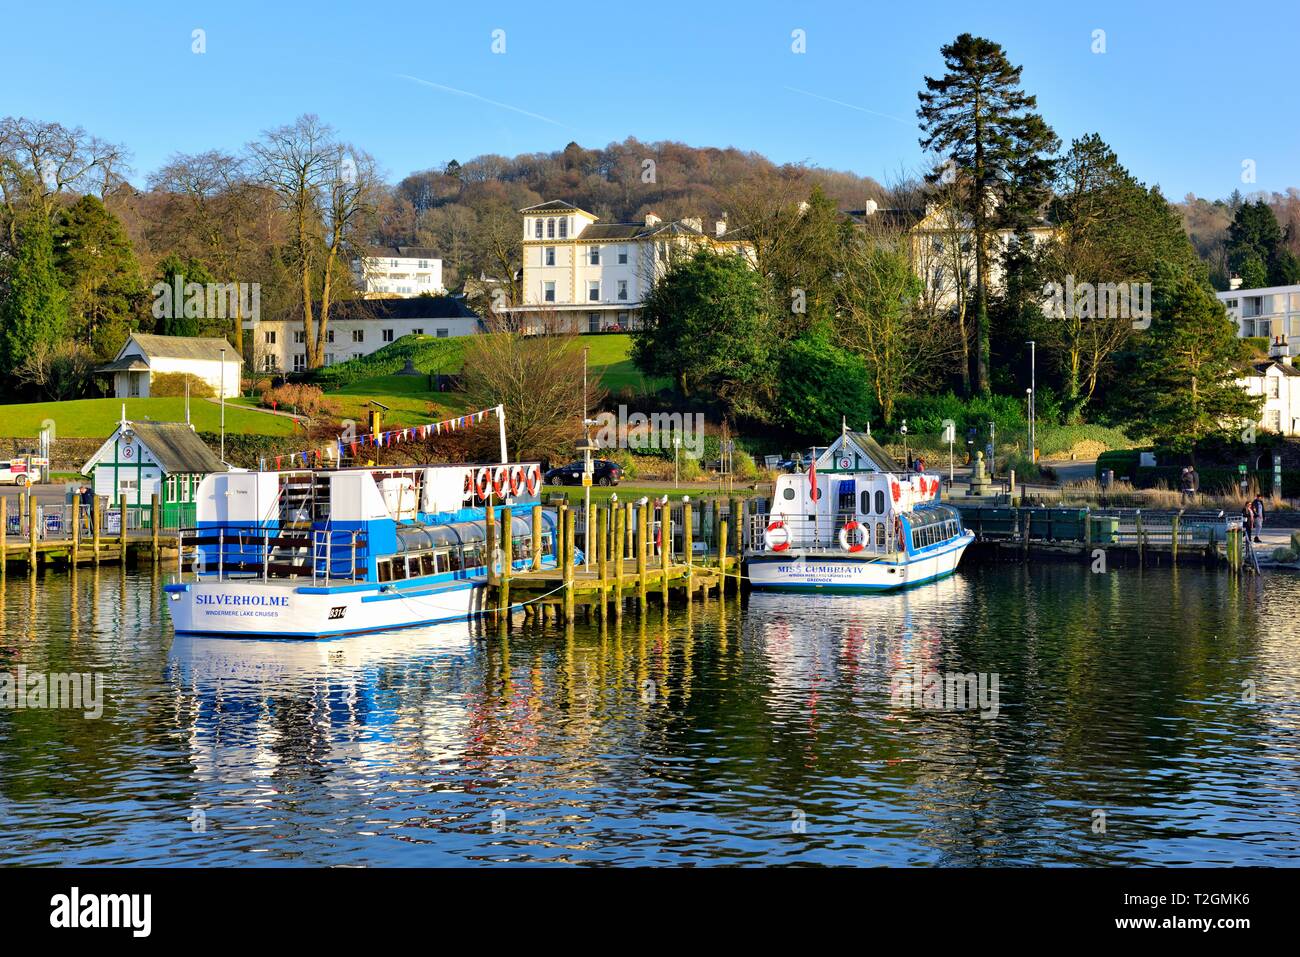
596, 275
401, 271
215, 361
941, 243
1278, 381
1272, 311
358, 327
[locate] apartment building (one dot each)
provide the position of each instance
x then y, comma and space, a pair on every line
358, 327
402, 271
1273, 311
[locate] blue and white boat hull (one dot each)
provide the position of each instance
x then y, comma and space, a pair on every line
833, 570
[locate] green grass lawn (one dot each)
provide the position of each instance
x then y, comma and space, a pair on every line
575, 493
97, 418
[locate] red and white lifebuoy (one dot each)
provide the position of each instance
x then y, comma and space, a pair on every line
500, 481
482, 483
516, 479
858, 534
771, 539
533, 478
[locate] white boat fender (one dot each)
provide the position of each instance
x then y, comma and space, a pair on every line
770, 536
859, 535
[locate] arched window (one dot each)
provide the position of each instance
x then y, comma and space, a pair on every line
550, 229
537, 227
880, 534
880, 502
864, 502
564, 228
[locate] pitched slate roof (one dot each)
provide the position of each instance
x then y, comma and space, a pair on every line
183, 347
1261, 368
379, 310
553, 205
126, 364
174, 445
402, 252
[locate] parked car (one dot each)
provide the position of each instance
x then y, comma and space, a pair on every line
603, 472
20, 472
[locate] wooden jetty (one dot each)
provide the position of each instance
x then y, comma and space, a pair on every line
1125, 535
639, 551
78, 537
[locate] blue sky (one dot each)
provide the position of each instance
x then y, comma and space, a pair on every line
1184, 92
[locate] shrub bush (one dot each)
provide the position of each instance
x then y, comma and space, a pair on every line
171, 384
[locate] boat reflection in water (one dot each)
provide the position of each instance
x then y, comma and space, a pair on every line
259, 710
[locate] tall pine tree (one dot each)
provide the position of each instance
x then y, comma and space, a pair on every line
33, 303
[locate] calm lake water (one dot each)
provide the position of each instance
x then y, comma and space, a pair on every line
754, 732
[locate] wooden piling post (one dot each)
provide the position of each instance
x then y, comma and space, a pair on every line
641, 523
121, 528
507, 560
96, 524
155, 519
1141, 536
620, 547
76, 532
537, 538
602, 520
1173, 537
713, 526
568, 564
722, 557
490, 529
665, 545
32, 530
687, 545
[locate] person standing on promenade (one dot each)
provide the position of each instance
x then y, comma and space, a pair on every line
1257, 508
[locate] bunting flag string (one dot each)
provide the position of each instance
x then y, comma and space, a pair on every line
334, 451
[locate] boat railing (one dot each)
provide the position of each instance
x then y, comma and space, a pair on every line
875, 533
242, 554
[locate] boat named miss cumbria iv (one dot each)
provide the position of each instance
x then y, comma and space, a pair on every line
322, 553
855, 521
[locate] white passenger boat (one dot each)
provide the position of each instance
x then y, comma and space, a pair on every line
857, 522
324, 553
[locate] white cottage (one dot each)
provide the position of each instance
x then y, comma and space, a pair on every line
215, 361
1278, 381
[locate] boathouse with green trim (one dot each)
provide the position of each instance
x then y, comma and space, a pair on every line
143, 458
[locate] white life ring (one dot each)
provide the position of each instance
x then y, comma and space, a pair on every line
482, 483
861, 537
771, 533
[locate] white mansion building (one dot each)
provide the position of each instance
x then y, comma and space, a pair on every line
358, 327
1268, 312
597, 274
398, 271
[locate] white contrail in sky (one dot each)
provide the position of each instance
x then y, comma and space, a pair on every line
484, 99
851, 106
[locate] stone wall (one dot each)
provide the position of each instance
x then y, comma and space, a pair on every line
66, 455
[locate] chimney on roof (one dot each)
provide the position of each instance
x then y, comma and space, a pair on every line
1279, 350
1234, 282
719, 228
869, 208
651, 219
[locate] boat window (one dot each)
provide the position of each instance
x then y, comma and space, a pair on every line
880, 502
787, 494
428, 564
440, 562
385, 570
880, 534
865, 500
399, 568
473, 556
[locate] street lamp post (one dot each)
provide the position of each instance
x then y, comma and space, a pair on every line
223, 404
1033, 394
907, 464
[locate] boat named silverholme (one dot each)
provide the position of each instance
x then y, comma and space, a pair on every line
323, 553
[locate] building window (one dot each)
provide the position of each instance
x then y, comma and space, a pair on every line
443, 333
329, 335
387, 335
299, 361
537, 228
1273, 386
269, 363
550, 229
549, 256
269, 337
593, 322
622, 320
622, 255
548, 292
299, 337
329, 358
417, 332
593, 290
358, 335
622, 289
594, 256
423, 264
564, 228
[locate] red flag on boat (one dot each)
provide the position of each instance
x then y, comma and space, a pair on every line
812, 477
